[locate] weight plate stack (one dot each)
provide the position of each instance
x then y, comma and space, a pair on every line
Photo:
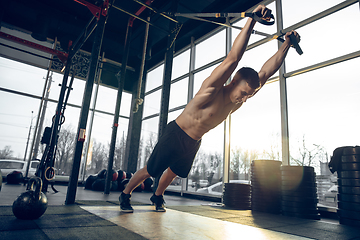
299, 192
237, 196
349, 187
266, 183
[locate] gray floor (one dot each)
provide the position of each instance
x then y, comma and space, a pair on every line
97, 216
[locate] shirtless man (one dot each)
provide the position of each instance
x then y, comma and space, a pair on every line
176, 149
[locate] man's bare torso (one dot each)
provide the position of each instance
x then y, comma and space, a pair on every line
205, 111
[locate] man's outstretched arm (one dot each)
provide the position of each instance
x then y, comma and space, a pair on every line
222, 73
274, 63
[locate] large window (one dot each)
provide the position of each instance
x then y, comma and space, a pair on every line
296, 11
154, 78
181, 64
210, 49
321, 111
17, 118
21, 77
178, 93
320, 43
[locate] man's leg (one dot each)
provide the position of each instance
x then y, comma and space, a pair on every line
135, 180
165, 180
158, 198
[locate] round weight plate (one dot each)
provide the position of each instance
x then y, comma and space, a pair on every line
264, 188
299, 215
299, 204
238, 188
350, 222
351, 150
266, 162
264, 168
349, 174
237, 185
349, 206
350, 166
272, 176
243, 198
267, 201
237, 193
298, 189
305, 169
299, 194
265, 171
350, 158
265, 197
265, 194
349, 198
299, 174
349, 214
296, 184
299, 210
349, 190
292, 178
304, 200
266, 185
355, 182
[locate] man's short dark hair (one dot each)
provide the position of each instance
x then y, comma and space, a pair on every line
250, 76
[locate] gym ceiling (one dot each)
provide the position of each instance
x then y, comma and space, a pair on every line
66, 19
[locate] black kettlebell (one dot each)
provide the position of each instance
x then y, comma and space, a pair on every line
31, 204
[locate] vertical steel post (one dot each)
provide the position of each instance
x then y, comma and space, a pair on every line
185, 184
134, 129
227, 122
92, 115
73, 181
283, 95
165, 94
121, 81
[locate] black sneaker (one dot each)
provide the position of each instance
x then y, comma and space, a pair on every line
159, 202
125, 205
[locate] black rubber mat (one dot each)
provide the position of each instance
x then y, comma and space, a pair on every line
61, 222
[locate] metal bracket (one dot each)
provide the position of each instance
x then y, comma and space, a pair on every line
95, 10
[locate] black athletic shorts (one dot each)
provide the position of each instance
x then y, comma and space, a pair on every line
175, 149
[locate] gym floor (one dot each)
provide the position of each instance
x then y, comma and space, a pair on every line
97, 216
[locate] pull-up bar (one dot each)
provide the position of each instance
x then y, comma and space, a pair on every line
255, 16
